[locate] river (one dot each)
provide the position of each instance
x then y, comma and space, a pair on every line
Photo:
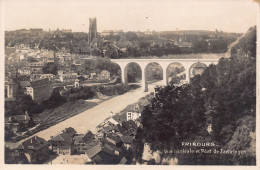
91, 118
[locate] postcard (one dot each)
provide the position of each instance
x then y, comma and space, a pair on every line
162, 84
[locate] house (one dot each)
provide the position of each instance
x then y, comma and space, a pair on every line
88, 137
70, 131
133, 112
106, 129
114, 139
13, 156
68, 77
119, 130
24, 71
81, 141
79, 147
51, 77
127, 141
130, 126
112, 147
112, 121
93, 151
106, 153
63, 142
40, 90
12, 89
120, 117
36, 66
35, 149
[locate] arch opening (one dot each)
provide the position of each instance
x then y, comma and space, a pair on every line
197, 69
176, 73
153, 73
133, 72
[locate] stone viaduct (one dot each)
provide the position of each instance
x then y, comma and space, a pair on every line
164, 63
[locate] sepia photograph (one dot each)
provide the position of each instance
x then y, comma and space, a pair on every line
113, 82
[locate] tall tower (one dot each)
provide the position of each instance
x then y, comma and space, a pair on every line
92, 29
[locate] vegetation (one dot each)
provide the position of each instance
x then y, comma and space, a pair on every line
98, 64
24, 103
50, 68
224, 96
158, 44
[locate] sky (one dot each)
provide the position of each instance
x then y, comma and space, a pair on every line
131, 15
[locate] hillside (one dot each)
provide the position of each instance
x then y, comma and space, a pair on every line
218, 107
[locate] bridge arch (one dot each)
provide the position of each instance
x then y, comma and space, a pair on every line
200, 66
146, 73
179, 68
164, 63
131, 65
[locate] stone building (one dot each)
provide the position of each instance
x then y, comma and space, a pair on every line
35, 149
12, 89
92, 29
40, 90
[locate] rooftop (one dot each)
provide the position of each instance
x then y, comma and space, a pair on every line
34, 143
63, 137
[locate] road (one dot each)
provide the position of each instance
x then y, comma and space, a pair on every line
90, 119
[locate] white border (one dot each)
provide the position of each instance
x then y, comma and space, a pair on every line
115, 167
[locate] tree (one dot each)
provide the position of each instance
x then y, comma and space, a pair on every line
55, 100
131, 36
225, 93
50, 68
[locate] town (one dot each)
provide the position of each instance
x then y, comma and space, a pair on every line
114, 94
41, 77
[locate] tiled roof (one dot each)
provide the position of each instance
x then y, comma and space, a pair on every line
111, 146
70, 131
88, 137
127, 139
12, 81
129, 125
63, 137
94, 150
92, 143
132, 108
24, 84
106, 129
120, 117
78, 139
120, 129
108, 151
34, 143
114, 137
113, 121
39, 83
